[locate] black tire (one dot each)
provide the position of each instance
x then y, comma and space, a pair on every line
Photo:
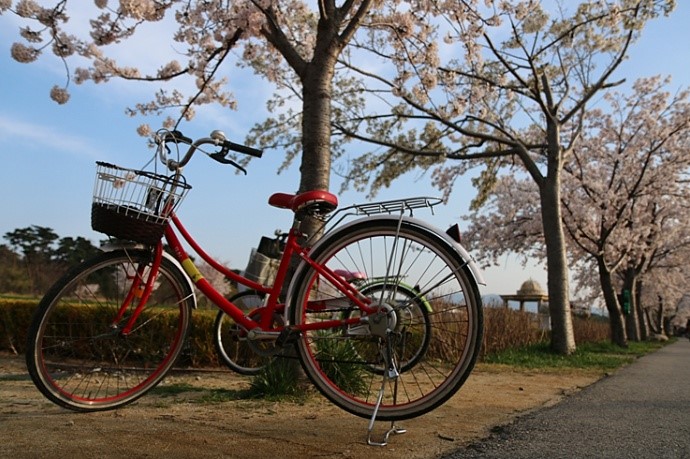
231, 341
339, 361
76, 355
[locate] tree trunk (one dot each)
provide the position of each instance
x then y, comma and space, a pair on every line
660, 318
316, 130
644, 323
632, 320
315, 168
616, 321
317, 83
562, 336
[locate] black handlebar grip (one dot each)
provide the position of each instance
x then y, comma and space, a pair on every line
243, 149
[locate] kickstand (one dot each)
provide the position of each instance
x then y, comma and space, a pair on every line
393, 430
390, 373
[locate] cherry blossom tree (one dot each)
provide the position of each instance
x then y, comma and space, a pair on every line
623, 195
506, 85
640, 150
540, 76
665, 283
284, 41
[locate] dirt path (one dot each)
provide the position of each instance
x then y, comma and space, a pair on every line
192, 423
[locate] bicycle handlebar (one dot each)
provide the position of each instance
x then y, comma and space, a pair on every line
216, 138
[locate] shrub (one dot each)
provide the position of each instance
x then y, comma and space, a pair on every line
280, 378
199, 349
15, 317
334, 356
593, 329
506, 328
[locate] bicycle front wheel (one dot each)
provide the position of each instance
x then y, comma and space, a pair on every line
430, 341
77, 355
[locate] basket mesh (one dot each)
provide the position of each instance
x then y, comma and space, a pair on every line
134, 205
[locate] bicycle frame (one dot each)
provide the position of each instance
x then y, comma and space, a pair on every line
262, 327
397, 298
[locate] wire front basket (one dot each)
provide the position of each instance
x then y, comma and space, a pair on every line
134, 205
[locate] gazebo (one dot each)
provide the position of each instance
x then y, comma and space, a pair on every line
530, 291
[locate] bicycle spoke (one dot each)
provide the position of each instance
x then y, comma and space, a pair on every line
79, 357
427, 306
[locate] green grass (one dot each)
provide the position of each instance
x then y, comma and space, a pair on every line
171, 390
20, 296
598, 356
279, 380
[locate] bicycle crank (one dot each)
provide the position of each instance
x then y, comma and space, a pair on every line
264, 342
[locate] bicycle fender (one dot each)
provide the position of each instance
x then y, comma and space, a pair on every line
111, 247
459, 249
464, 254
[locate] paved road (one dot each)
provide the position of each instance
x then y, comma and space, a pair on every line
642, 411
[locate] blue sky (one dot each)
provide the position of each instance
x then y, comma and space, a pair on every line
48, 152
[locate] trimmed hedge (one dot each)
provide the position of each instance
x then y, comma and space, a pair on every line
503, 329
16, 315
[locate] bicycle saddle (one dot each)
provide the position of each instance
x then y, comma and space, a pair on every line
316, 201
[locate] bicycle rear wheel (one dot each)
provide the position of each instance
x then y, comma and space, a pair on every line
432, 360
77, 355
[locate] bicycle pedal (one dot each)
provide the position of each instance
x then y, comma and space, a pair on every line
287, 336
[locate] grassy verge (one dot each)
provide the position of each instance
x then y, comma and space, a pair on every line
602, 356
278, 382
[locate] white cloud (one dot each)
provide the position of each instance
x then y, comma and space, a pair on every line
150, 48
51, 138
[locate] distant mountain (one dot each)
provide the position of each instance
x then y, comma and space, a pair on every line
492, 300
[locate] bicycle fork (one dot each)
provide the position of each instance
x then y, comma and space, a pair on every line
139, 291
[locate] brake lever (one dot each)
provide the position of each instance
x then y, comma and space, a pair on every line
220, 157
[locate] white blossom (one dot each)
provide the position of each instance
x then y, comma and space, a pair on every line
171, 68
59, 95
24, 54
144, 130
139, 9
27, 8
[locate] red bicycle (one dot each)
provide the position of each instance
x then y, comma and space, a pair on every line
390, 349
